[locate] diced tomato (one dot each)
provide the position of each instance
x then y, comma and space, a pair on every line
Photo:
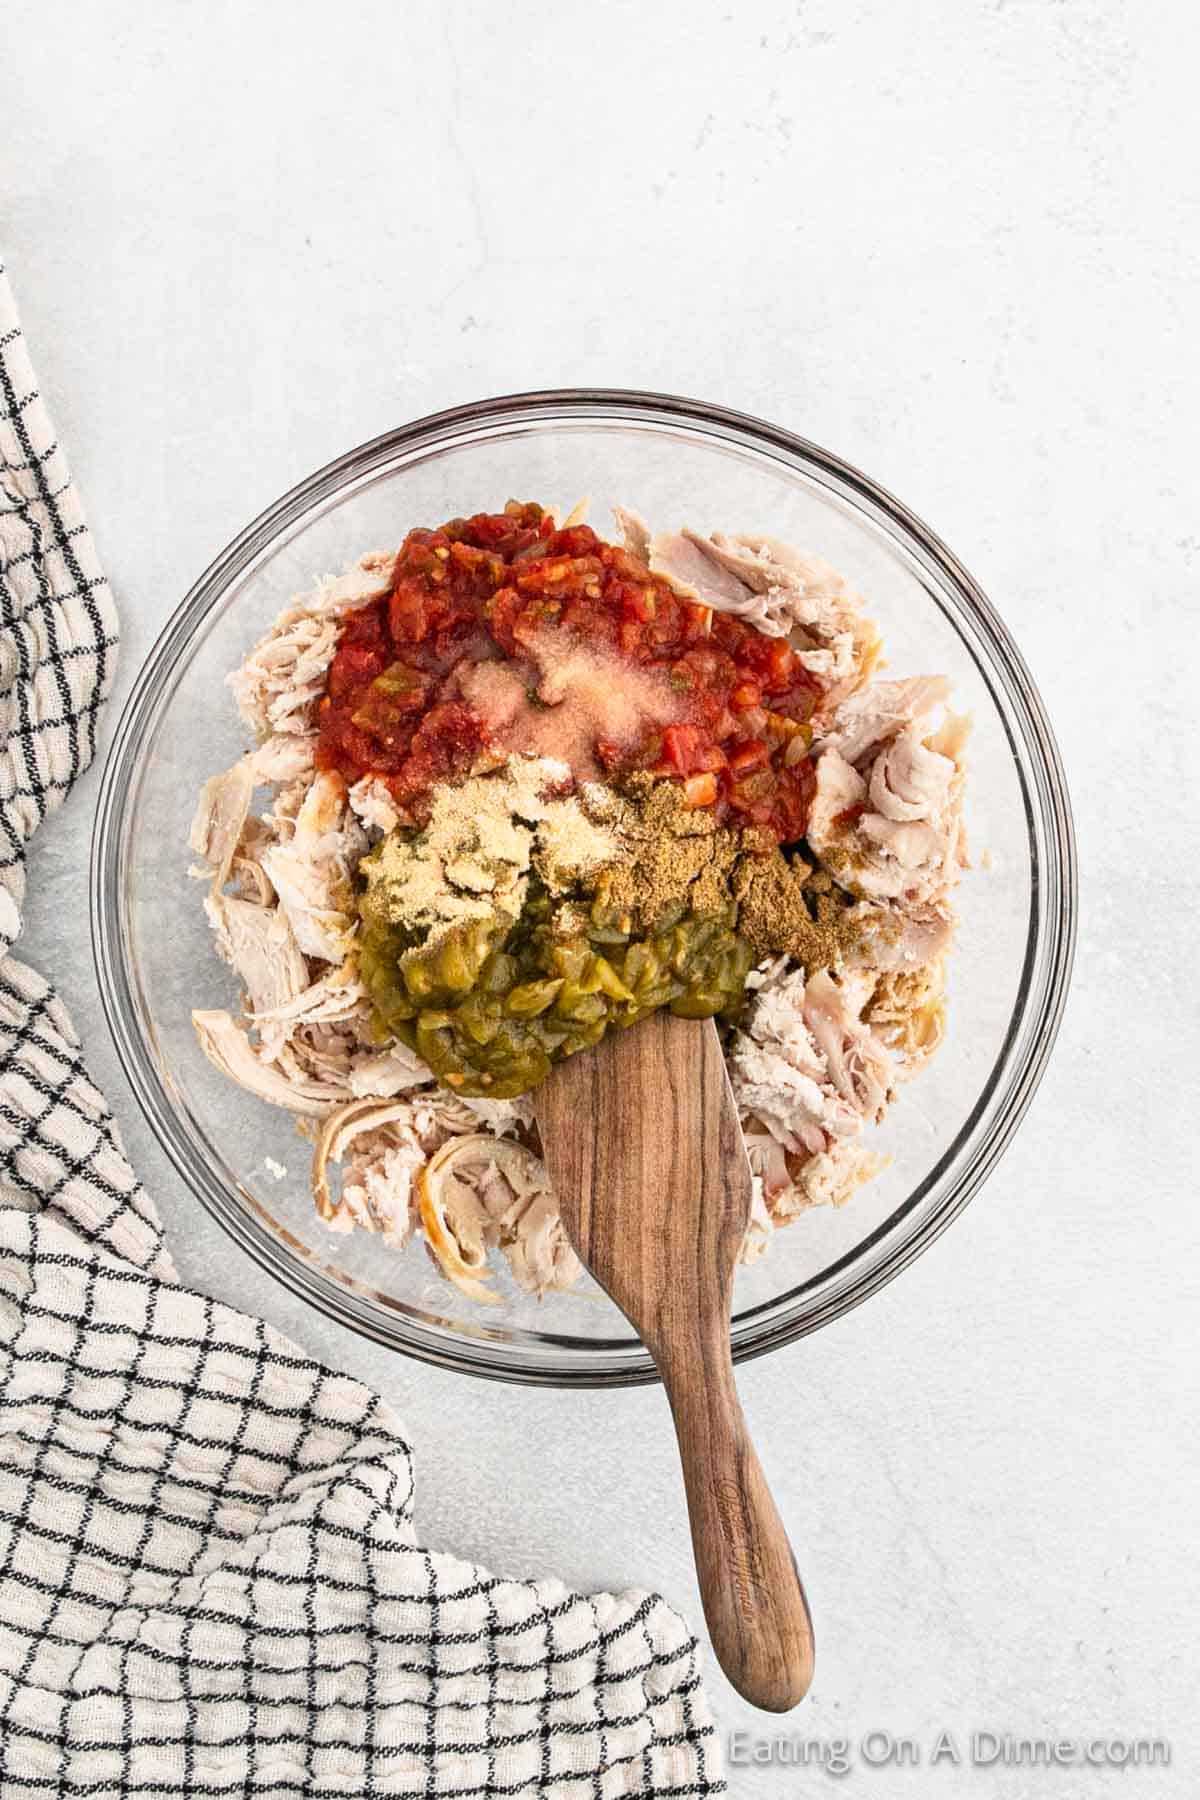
799, 699
680, 746
498, 585
781, 661
354, 665
507, 533
501, 612
638, 602
408, 611
444, 746
342, 746
532, 620
700, 790
793, 798
559, 576
629, 638
574, 540
749, 756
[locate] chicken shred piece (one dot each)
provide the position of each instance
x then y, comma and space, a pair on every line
338, 997
259, 943
857, 1064
221, 817
378, 1190
338, 1132
892, 939
228, 1047
635, 533
805, 1067
386, 1072
279, 685
907, 1011
373, 805
250, 881
284, 756
312, 871
781, 592
889, 828
875, 714
453, 1224
830, 1178
760, 1227
495, 1193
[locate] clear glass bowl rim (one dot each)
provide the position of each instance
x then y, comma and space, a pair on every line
1049, 947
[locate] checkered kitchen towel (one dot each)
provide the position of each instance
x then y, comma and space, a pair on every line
210, 1583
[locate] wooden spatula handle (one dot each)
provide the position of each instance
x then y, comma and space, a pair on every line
643, 1145
754, 1602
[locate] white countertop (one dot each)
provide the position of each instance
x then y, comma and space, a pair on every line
955, 244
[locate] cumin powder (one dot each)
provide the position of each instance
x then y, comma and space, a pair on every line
678, 857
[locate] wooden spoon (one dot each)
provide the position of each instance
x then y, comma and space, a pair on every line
642, 1142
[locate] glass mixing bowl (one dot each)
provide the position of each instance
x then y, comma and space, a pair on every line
674, 461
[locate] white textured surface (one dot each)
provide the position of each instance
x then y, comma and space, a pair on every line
957, 243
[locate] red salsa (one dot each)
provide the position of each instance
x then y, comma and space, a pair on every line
729, 708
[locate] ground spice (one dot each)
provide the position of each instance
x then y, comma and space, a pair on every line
569, 847
472, 861
631, 859
787, 908
583, 696
677, 858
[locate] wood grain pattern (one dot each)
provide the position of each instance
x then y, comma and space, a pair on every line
643, 1145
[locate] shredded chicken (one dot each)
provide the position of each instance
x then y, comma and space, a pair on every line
479, 1193
259, 943
220, 819
227, 1045
382, 1146
875, 714
249, 881
391, 1071
886, 817
281, 681
373, 805
774, 588
761, 1227
895, 939
283, 757
311, 872
818, 1056
339, 1131
907, 1012
792, 1181
805, 1067
828, 1179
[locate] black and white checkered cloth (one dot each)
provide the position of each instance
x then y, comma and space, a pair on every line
210, 1583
